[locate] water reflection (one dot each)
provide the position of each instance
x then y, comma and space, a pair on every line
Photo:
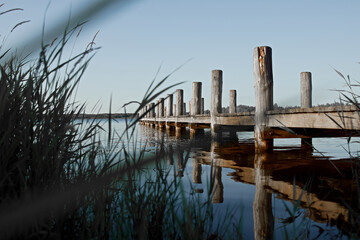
290, 173
262, 206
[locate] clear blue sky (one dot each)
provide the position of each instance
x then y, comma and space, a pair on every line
138, 37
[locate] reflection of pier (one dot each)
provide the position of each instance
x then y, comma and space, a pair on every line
271, 172
274, 173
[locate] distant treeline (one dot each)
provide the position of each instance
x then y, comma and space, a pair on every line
106, 115
246, 108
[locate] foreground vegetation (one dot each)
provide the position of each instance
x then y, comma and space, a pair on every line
60, 179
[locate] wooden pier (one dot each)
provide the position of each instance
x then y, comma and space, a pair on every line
305, 122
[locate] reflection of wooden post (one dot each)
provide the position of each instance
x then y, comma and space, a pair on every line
179, 102
306, 100
196, 98
179, 162
232, 103
216, 95
169, 105
218, 189
196, 171
263, 77
170, 159
262, 207
202, 105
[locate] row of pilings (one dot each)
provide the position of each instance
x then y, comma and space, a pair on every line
263, 84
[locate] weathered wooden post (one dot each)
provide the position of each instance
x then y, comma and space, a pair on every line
306, 90
179, 102
306, 100
161, 107
202, 106
232, 102
190, 107
196, 98
216, 96
158, 109
263, 77
152, 110
169, 105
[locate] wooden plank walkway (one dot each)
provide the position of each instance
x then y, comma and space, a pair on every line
305, 122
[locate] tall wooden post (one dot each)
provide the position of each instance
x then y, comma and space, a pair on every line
158, 109
232, 102
202, 106
152, 110
306, 90
161, 107
263, 77
179, 102
169, 105
196, 98
216, 96
306, 100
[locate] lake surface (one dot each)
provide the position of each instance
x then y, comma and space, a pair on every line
314, 184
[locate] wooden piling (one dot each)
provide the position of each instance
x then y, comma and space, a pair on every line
158, 109
232, 102
306, 100
216, 96
306, 90
152, 110
263, 77
202, 106
179, 102
161, 107
196, 98
169, 105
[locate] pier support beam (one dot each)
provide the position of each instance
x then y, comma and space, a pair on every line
216, 96
263, 77
196, 98
152, 110
306, 100
161, 107
232, 102
179, 102
202, 106
169, 105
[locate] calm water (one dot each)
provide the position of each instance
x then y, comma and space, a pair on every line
263, 189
